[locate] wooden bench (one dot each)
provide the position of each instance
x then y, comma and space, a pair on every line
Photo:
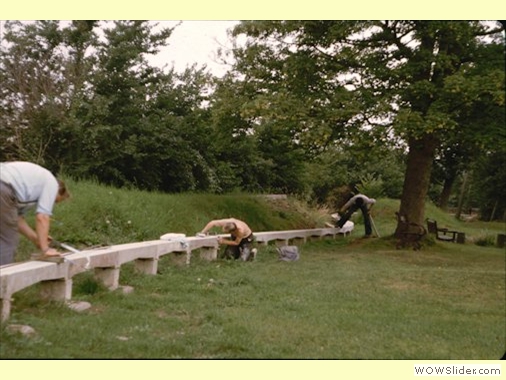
443, 234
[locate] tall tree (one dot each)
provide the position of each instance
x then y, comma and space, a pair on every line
32, 77
489, 174
82, 96
378, 79
43, 70
115, 127
237, 162
476, 98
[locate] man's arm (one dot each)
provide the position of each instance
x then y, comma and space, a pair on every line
27, 231
214, 223
40, 238
42, 222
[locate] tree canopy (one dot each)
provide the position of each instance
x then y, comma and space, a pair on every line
422, 84
399, 108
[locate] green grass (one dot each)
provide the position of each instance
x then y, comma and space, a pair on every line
347, 298
99, 215
343, 299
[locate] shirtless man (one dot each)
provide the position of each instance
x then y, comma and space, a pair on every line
241, 238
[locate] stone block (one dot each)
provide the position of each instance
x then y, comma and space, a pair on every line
108, 276
56, 290
146, 266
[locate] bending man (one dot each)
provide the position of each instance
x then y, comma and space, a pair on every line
362, 202
24, 185
241, 238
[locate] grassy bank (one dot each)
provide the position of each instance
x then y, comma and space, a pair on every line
348, 298
98, 215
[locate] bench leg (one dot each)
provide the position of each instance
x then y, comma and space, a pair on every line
281, 242
57, 290
298, 241
5, 310
146, 266
108, 276
208, 253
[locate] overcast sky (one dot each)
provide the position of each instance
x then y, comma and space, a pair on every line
192, 42
195, 42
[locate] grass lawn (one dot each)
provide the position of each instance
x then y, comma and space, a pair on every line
344, 299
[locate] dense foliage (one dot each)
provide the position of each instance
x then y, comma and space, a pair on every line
435, 88
309, 107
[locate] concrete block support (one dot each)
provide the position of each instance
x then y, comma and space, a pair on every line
281, 242
180, 258
209, 253
297, 241
183, 256
5, 308
146, 266
56, 290
108, 276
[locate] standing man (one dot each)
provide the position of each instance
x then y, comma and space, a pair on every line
241, 238
362, 202
24, 185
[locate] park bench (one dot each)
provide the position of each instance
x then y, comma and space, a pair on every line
409, 233
444, 234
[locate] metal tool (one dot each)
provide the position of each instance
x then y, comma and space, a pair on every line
65, 246
374, 226
72, 250
69, 248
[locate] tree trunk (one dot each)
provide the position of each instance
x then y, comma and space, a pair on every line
417, 179
493, 211
461, 195
444, 197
